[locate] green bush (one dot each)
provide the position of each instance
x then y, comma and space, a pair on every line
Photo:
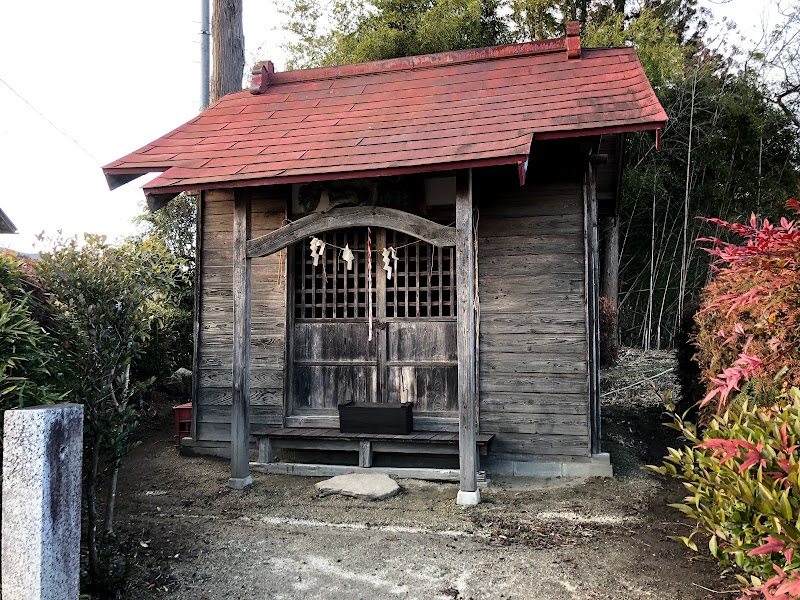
169, 343
26, 351
103, 303
741, 473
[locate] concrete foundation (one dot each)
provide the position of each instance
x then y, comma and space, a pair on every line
598, 465
468, 498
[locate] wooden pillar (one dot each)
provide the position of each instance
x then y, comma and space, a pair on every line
240, 411
380, 334
198, 271
468, 493
265, 453
365, 453
592, 300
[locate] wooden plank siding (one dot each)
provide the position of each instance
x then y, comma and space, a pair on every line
533, 388
533, 372
268, 316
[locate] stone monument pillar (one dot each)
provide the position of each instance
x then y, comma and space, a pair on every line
42, 458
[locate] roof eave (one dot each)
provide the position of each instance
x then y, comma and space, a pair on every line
117, 177
572, 133
158, 193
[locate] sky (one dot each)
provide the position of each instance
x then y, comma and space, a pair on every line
83, 83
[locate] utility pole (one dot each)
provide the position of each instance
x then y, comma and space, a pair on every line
205, 37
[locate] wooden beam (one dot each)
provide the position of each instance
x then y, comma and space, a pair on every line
288, 347
465, 293
6, 226
240, 411
115, 179
366, 174
359, 216
156, 202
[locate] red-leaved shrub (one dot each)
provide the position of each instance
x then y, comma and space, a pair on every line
742, 468
749, 323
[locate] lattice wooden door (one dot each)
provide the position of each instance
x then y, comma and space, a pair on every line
412, 356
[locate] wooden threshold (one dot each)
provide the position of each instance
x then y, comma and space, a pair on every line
313, 470
334, 434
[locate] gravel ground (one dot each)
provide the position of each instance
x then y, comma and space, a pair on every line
195, 539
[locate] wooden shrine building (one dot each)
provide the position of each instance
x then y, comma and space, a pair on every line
480, 175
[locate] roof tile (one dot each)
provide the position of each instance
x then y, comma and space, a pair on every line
421, 113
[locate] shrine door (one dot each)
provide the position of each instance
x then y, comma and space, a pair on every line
412, 354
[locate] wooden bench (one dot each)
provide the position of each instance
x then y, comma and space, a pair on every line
306, 438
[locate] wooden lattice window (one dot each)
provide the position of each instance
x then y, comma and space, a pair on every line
329, 290
423, 286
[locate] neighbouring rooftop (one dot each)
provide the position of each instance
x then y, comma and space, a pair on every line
6, 226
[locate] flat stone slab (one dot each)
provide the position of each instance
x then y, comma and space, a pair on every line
367, 486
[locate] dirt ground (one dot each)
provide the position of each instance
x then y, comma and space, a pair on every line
195, 539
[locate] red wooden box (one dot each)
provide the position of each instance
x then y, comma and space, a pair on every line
183, 420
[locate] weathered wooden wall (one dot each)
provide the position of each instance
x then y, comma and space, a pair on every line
533, 371
533, 385
214, 360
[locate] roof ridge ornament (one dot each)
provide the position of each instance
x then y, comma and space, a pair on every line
261, 75
573, 39
409, 63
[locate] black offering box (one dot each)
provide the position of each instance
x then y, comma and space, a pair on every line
369, 417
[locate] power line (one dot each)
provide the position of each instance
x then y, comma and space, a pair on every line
53, 125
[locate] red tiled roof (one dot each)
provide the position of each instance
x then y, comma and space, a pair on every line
433, 112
